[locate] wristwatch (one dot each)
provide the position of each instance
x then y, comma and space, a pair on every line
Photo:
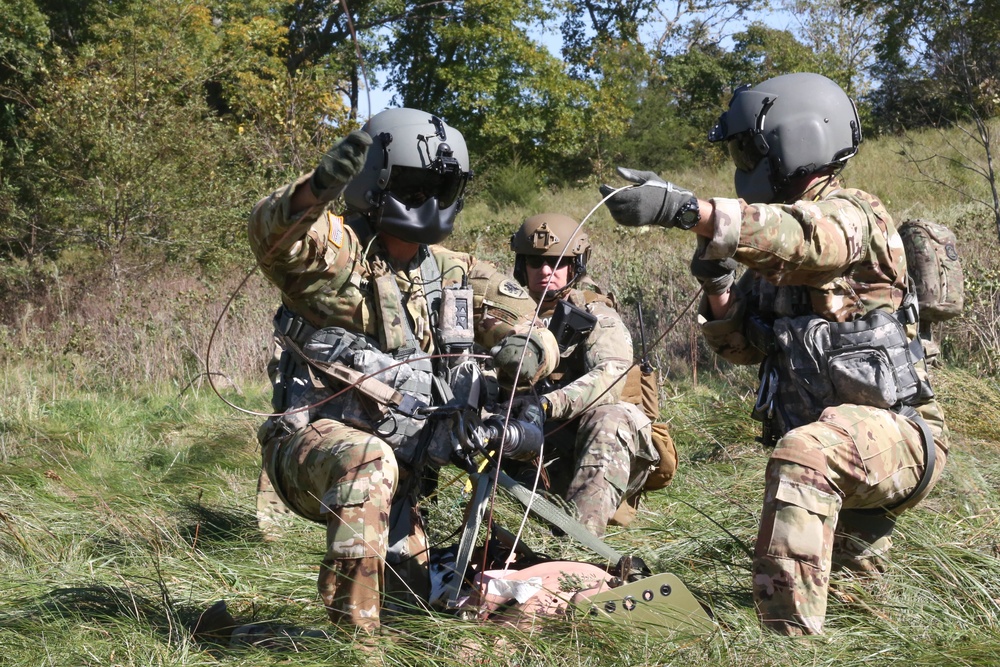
688, 214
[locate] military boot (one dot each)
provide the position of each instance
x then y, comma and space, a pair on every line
215, 624
350, 589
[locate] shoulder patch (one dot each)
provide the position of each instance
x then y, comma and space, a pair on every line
336, 233
512, 289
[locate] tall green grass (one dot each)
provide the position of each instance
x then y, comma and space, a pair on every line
124, 514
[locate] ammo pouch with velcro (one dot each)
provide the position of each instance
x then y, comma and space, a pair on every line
869, 361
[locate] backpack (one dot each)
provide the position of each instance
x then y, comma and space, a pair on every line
934, 269
642, 389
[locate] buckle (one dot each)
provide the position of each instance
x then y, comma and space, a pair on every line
410, 405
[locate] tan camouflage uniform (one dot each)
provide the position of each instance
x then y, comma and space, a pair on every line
327, 462
603, 451
840, 257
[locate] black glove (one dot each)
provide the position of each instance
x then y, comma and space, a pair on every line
532, 409
656, 202
715, 275
340, 164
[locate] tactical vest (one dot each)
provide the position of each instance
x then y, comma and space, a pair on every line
813, 363
388, 381
641, 388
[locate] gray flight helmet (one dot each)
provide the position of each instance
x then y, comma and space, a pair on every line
413, 181
790, 126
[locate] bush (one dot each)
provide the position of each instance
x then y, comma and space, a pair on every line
515, 184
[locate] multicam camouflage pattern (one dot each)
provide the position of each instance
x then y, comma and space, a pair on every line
591, 373
838, 257
335, 470
935, 269
272, 513
326, 276
843, 248
605, 453
821, 479
612, 459
345, 478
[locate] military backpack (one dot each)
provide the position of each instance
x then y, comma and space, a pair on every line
642, 388
934, 269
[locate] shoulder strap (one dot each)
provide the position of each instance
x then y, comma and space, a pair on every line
590, 297
430, 274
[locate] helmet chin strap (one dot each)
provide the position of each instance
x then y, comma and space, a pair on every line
817, 187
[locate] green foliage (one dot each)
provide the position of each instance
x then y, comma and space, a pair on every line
286, 108
514, 184
762, 52
123, 152
936, 61
480, 69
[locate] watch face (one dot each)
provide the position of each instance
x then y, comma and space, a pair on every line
689, 215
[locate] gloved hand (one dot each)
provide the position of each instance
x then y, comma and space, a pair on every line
529, 408
340, 164
523, 359
656, 202
715, 275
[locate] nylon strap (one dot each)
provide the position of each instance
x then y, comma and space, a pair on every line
430, 274
555, 516
930, 456
371, 387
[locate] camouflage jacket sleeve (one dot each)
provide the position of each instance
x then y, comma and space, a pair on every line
806, 243
607, 355
304, 253
844, 248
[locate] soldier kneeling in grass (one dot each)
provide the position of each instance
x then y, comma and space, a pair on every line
828, 310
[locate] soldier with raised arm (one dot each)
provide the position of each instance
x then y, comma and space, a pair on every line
360, 320
826, 308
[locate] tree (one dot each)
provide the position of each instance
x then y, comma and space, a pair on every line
589, 28
843, 39
120, 152
478, 67
939, 62
761, 52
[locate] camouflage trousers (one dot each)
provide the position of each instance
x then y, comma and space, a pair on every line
825, 484
375, 542
594, 463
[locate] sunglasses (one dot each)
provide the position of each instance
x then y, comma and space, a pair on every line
537, 261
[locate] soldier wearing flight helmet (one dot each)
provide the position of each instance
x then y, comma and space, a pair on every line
359, 295
826, 308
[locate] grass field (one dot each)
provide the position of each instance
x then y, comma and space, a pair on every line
127, 486
124, 514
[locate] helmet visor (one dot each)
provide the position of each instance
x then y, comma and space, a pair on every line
412, 186
744, 151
